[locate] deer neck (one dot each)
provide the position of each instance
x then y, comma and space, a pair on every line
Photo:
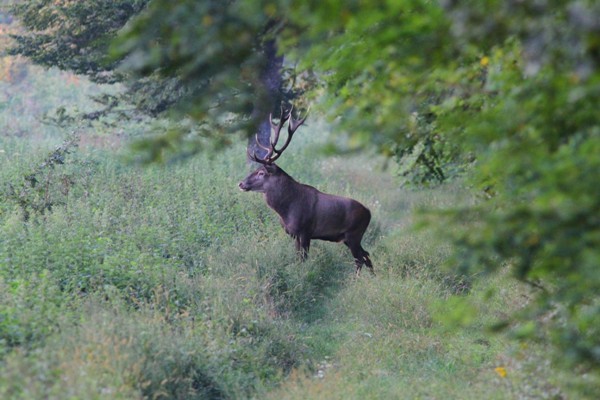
283, 195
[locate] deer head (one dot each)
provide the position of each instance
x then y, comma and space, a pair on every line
269, 175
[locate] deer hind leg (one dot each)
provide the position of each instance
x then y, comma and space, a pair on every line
368, 262
302, 247
361, 256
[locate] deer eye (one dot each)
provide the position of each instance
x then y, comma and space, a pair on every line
261, 173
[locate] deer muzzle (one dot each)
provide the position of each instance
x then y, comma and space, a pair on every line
243, 186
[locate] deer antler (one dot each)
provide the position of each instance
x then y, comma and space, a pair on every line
293, 125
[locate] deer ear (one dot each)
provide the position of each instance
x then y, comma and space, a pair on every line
271, 168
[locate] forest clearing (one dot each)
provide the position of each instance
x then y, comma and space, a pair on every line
132, 266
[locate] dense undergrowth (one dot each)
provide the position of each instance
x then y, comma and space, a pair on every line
168, 282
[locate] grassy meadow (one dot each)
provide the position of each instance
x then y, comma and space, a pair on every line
166, 281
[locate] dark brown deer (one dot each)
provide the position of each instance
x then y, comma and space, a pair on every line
305, 212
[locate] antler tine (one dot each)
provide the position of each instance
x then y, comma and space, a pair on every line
292, 126
277, 128
295, 123
255, 158
259, 144
272, 152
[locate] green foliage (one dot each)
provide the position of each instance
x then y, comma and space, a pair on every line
221, 62
44, 188
27, 320
537, 139
225, 57
517, 93
73, 36
385, 95
213, 64
127, 245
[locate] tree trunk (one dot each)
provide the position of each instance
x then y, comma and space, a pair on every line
268, 97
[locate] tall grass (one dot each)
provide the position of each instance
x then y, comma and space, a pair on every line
168, 282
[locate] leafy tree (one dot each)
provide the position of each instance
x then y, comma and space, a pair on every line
537, 140
75, 36
515, 84
510, 88
208, 62
224, 53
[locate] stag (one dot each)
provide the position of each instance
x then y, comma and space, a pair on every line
305, 212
